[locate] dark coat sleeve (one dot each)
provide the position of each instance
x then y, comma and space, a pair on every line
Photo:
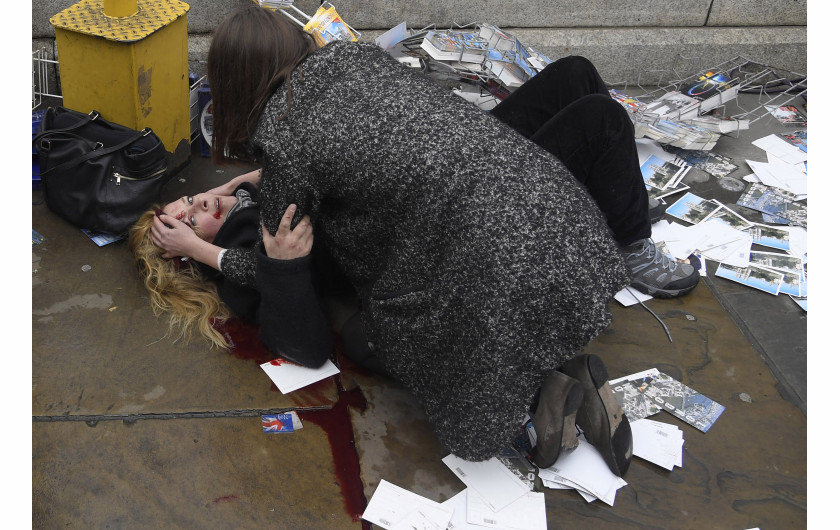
291, 319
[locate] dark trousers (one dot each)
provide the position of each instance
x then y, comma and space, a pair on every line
567, 109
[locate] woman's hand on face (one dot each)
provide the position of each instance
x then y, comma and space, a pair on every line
175, 241
288, 243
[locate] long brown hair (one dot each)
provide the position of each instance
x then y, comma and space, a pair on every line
253, 52
177, 288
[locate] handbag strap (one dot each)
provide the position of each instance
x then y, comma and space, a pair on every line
96, 153
81, 123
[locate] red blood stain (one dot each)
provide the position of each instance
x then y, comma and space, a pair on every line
335, 422
226, 498
244, 336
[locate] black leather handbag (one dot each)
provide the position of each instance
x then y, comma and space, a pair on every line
97, 174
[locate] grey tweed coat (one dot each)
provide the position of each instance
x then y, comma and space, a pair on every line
480, 261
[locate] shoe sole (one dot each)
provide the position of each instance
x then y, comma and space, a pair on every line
619, 453
546, 454
657, 292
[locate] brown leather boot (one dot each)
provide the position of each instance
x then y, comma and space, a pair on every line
601, 417
554, 420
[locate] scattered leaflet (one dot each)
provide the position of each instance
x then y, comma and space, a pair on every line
289, 376
490, 479
392, 507
585, 470
658, 443
277, 423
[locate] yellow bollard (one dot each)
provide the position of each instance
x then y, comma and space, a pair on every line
128, 60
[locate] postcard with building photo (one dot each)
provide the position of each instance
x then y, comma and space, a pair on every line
756, 277
691, 208
712, 163
658, 173
680, 400
728, 217
790, 283
655, 193
770, 236
778, 261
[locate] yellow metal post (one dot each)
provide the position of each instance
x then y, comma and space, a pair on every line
128, 60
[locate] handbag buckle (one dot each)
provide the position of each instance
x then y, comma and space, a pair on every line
146, 131
93, 115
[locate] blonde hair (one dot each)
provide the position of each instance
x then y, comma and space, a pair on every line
177, 288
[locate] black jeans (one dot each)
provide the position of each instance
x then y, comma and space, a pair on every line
567, 109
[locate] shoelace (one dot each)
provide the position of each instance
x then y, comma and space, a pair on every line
651, 251
649, 310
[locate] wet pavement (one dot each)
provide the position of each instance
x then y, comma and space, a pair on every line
133, 430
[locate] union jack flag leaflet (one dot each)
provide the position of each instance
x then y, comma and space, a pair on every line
286, 422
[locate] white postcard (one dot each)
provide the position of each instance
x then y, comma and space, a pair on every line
782, 149
658, 443
586, 467
525, 513
779, 175
650, 372
491, 479
630, 296
392, 505
289, 376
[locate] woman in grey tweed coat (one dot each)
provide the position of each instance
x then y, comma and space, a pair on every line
481, 263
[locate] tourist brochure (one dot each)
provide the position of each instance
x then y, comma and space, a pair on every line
798, 138
775, 202
674, 397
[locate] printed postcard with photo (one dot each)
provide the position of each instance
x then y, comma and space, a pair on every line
680, 400
691, 208
770, 236
759, 278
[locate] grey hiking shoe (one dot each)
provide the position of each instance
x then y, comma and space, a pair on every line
655, 274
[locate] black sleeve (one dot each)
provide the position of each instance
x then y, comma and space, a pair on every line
291, 319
